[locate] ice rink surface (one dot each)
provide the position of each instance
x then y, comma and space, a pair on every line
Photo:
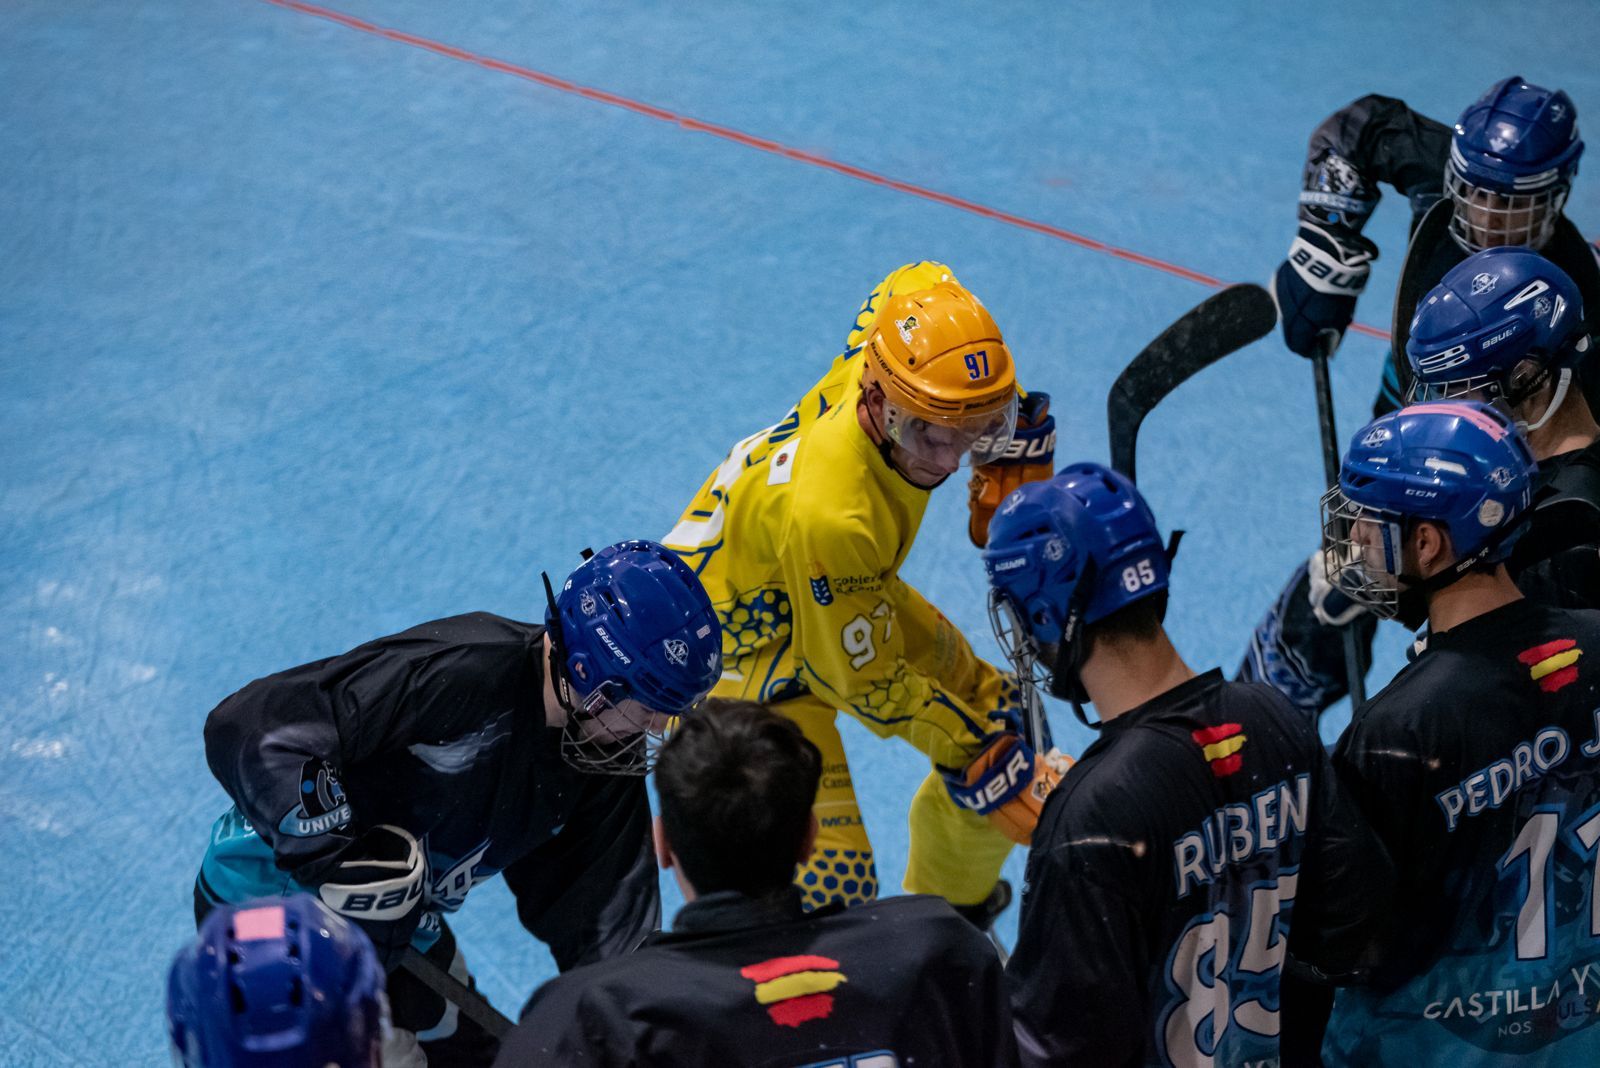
308, 334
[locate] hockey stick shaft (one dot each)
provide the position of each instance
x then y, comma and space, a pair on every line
1036, 725
473, 1005
1355, 666
999, 947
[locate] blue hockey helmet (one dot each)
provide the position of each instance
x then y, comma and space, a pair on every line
1064, 554
1512, 160
1496, 328
283, 982
637, 643
1459, 464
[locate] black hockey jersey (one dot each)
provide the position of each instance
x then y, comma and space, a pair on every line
1557, 562
902, 981
1200, 836
1479, 767
1377, 141
439, 730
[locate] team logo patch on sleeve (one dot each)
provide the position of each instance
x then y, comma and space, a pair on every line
322, 806
795, 989
1221, 745
1553, 664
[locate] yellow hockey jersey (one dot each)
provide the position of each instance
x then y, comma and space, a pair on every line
798, 537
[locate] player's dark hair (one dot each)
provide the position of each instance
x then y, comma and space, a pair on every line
1141, 620
736, 784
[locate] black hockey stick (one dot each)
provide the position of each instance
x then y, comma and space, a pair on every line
1222, 323
1418, 274
1355, 664
472, 1004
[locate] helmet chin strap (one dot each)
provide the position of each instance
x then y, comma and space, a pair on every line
1563, 383
556, 662
1071, 651
1413, 599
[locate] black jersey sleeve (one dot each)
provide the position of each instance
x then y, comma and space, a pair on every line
281, 745
1372, 142
591, 892
286, 732
1087, 952
1379, 758
1079, 975
1346, 883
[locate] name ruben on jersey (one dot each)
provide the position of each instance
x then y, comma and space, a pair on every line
1237, 832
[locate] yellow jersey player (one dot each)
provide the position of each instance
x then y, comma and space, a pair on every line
799, 535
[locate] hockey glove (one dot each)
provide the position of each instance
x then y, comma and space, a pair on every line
1031, 457
1317, 286
378, 883
1328, 602
1007, 783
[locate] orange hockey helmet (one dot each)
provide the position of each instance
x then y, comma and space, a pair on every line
950, 390
907, 278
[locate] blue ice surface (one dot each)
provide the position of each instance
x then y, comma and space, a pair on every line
308, 335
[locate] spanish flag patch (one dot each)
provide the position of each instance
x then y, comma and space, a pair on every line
1221, 745
1553, 664
795, 989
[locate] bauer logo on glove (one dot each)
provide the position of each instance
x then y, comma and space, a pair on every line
1007, 783
1030, 457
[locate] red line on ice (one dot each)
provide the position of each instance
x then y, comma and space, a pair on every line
774, 147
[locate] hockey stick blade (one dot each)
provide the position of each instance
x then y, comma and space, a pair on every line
1222, 323
473, 1005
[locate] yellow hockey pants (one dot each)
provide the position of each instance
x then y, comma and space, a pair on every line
954, 853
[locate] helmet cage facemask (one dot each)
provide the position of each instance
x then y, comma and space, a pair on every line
1043, 665
1489, 218
1507, 392
595, 737
1384, 592
611, 733
1017, 642
1346, 558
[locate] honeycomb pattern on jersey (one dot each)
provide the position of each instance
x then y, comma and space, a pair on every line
754, 621
837, 875
1011, 696
883, 699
